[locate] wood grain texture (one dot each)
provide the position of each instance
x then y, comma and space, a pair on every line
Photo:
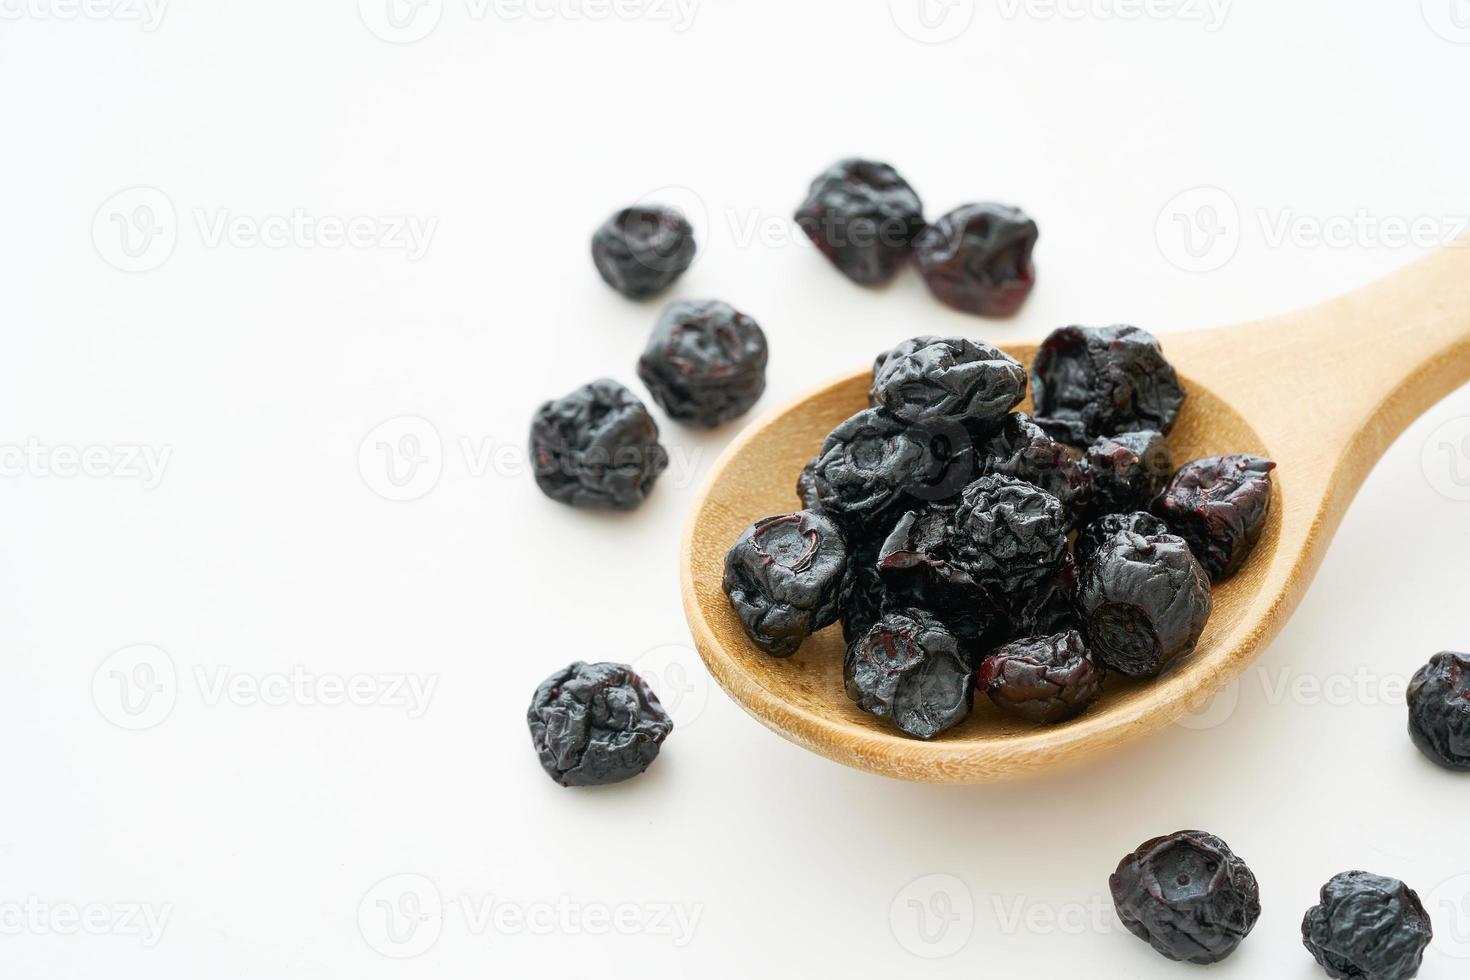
1323, 392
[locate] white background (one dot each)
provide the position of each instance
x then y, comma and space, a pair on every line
267, 544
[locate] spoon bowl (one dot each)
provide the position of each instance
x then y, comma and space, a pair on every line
1322, 392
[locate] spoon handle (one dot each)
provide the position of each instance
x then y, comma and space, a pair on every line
1337, 383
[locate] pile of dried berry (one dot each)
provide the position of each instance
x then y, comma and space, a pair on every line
1191, 898
938, 524
868, 222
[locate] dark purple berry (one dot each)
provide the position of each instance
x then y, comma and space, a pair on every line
1102, 381
705, 362
977, 258
908, 668
1043, 679
914, 565
1009, 536
1094, 533
784, 576
1188, 896
1127, 470
641, 250
864, 596
1143, 600
863, 217
1219, 506
1022, 449
1049, 608
1367, 927
597, 447
806, 486
948, 378
594, 724
874, 462
1439, 710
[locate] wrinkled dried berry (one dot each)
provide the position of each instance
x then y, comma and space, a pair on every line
1022, 449
936, 378
914, 566
806, 486
1049, 608
1143, 600
1127, 470
594, 724
1439, 710
873, 462
705, 362
864, 596
1219, 506
1009, 536
1094, 533
784, 576
1102, 381
977, 258
1367, 927
1188, 896
641, 250
1044, 679
908, 668
863, 217
597, 447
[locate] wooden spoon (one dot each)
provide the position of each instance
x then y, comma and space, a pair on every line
1323, 392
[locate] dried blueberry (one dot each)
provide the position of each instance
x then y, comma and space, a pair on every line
908, 668
641, 250
864, 596
1219, 506
784, 576
863, 217
977, 258
596, 723
597, 447
914, 564
806, 486
1096, 532
1188, 896
1143, 600
705, 362
1367, 927
1127, 470
873, 462
1021, 449
1439, 710
1100, 381
1044, 679
1049, 608
935, 378
1009, 536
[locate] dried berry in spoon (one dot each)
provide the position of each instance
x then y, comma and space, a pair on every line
1043, 679
935, 378
907, 667
1219, 506
784, 576
1102, 381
